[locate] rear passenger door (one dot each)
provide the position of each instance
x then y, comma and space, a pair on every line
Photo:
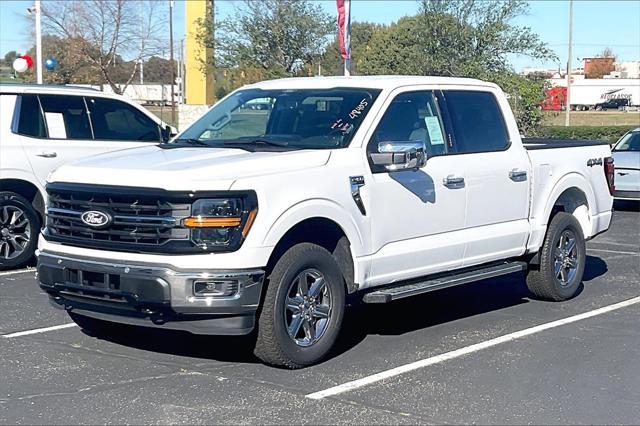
57, 129
496, 175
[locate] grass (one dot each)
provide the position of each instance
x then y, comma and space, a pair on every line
593, 118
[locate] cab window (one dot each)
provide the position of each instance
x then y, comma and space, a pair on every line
65, 117
478, 124
412, 116
30, 121
116, 120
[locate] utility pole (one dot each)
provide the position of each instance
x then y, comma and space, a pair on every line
38, 41
173, 67
567, 119
141, 43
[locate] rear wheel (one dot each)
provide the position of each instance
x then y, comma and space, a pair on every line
303, 308
19, 229
562, 260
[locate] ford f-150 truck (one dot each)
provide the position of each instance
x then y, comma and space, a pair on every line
367, 188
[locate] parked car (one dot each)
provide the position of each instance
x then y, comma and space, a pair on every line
377, 188
45, 126
626, 153
612, 104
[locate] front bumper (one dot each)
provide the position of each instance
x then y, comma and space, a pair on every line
150, 295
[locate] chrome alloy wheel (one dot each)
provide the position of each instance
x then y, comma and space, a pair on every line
308, 307
565, 258
15, 232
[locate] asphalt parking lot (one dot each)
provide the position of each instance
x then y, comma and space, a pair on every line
585, 369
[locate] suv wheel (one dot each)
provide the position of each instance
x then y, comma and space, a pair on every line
303, 308
562, 260
19, 229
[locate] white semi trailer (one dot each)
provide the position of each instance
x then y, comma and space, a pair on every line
587, 93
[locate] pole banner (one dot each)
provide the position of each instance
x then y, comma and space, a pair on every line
344, 27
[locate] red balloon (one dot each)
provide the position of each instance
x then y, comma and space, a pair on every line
28, 59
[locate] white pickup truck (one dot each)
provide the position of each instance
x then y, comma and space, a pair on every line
266, 220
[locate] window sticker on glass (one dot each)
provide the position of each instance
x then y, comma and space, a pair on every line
435, 131
55, 124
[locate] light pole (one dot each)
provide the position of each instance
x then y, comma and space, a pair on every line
567, 118
173, 67
36, 9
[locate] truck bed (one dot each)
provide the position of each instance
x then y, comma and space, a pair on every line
545, 143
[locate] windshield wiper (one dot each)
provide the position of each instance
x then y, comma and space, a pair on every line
190, 141
256, 142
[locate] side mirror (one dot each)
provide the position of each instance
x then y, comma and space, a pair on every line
400, 155
168, 132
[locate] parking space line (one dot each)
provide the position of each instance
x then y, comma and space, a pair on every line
355, 384
19, 271
614, 251
38, 330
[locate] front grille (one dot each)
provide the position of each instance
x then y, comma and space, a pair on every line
141, 219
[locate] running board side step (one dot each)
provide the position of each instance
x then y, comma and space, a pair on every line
408, 289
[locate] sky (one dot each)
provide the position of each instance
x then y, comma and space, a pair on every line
596, 25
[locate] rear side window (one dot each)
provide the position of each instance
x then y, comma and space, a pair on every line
30, 121
116, 120
477, 120
66, 117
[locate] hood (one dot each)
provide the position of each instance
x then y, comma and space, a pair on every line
191, 168
626, 159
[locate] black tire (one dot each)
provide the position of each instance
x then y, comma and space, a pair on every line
10, 203
545, 282
274, 345
92, 326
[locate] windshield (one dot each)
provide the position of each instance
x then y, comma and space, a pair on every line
283, 119
629, 142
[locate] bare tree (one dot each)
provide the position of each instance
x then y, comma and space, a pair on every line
108, 32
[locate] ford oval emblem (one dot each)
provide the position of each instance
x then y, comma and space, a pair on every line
96, 219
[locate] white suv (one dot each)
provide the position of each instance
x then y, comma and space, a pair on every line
43, 127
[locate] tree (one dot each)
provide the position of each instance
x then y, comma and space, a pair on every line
158, 70
103, 30
279, 37
470, 38
601, 65
10, 56
361, 35
73, 66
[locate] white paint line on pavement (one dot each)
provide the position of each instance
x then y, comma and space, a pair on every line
614, 251
355, 384
19, 271
38, 330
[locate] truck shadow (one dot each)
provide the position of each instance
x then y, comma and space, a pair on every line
401, 317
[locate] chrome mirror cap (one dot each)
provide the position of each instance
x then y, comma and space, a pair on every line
400, 155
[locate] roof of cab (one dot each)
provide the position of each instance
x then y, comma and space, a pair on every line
372, 82
45, 88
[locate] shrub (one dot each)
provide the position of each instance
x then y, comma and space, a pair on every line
607, 133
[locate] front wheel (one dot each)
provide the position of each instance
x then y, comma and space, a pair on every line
562, 260
303, 308
19, 229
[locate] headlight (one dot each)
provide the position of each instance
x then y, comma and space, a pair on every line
221, 223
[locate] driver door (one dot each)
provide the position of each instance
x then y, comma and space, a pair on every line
417, 216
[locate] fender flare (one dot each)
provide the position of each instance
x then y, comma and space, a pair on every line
316, 208
571, 181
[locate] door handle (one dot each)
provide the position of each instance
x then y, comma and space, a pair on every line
48, 154
453, 182
518, 175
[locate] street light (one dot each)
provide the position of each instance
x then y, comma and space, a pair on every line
37, 10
